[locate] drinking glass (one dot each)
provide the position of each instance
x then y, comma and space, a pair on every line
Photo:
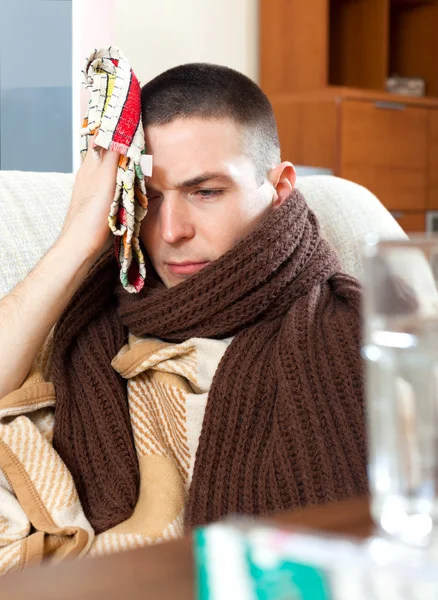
400, 350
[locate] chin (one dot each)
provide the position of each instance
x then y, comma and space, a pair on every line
169, 282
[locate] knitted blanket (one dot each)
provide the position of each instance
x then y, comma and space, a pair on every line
284, 423
115, 111
41, 517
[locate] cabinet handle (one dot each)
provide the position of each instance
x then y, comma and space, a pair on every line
397, 214
387, 105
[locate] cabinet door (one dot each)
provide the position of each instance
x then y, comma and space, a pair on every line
411, 222
384, 148
36, 85
432, 197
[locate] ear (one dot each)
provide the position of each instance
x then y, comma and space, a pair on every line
282, 178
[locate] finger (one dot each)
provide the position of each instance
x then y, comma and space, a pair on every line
111, 158
93, 153
92, 138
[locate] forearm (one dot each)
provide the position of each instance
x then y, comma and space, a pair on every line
28, 313
30, 310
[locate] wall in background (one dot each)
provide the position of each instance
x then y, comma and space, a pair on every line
86, 37
36, 85
156, 35
44, 44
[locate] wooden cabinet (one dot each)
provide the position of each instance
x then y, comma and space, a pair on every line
411, 222
389, 146
383, 146
288, 29
356, 43
432, 191
308, 130
324, 66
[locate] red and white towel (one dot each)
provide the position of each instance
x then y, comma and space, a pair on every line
115, 110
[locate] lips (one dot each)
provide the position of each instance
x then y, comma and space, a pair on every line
186, 268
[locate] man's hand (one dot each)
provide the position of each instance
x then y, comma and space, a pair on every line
86, 224
30, 310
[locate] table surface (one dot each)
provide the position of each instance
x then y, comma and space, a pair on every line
164, 571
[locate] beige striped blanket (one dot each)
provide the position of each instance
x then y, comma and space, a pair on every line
41, 518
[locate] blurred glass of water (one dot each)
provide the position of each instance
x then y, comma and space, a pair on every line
400, 350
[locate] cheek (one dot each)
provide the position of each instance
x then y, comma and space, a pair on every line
235, 220
247, 214
220, 225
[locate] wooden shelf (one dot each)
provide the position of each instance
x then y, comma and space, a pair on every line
332, 92
355, 60
347, 43
412, 3
414, 42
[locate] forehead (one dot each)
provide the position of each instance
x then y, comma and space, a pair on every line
186, 147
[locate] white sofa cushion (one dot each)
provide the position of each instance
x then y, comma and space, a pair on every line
347, 213
33, 207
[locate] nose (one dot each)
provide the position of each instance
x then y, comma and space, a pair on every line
175, 222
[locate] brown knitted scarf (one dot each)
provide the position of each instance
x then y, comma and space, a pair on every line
284, 422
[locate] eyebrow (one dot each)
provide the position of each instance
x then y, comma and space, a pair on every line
202, 178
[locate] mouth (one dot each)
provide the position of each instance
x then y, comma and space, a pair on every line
186, 268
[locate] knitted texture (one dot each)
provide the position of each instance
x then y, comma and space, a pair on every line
284, 423
93, 431
115, 109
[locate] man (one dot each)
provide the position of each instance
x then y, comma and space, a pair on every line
232, 382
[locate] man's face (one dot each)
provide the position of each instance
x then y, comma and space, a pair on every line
204, 196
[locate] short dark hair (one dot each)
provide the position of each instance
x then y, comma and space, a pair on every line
208, 91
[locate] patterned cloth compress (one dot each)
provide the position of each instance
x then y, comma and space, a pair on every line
115, 109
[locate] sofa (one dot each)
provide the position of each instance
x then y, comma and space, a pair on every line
33, 207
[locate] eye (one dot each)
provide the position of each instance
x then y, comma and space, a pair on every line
153, 196
208, 193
